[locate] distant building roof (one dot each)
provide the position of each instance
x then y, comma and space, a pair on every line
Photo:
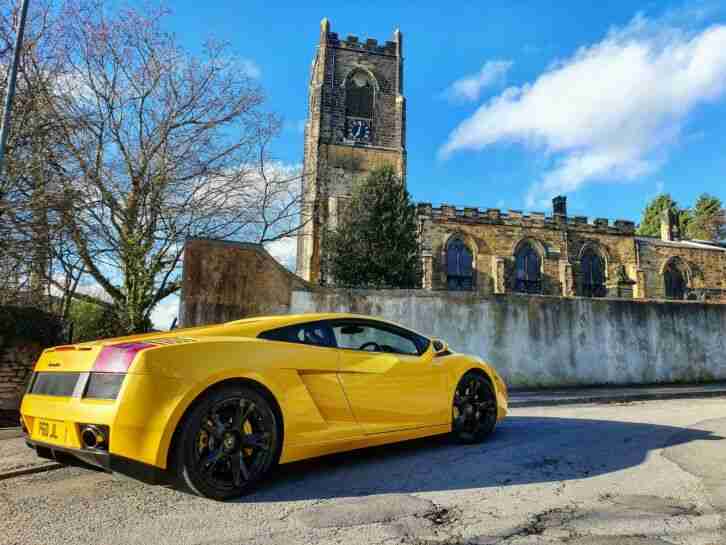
699, 244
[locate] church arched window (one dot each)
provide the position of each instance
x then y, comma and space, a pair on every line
359, 96
527, 270
675, 282
459, 270
592, 271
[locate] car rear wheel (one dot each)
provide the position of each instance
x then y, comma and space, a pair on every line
227, 443
474, 410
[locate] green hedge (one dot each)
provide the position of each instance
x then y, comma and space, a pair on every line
32, 324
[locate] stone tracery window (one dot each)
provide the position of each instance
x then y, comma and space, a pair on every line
459, 269
592, 271
675, 282
527, 270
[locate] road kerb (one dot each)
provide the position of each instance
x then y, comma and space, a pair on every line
29, 470
10, 433
545, 401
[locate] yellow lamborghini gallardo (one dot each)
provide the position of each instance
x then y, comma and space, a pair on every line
216, 408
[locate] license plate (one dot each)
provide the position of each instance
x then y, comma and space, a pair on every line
50, 431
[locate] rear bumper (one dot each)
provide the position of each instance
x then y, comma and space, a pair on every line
138, 419
103, 460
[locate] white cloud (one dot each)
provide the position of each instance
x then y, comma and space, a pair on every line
284, 250
164, 312
251, 68
469, 87
611, 111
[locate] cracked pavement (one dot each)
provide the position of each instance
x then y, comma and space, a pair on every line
644, 473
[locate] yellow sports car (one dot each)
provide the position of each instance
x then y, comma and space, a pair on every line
215, 408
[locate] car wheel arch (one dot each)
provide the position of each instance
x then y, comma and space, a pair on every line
479, 371
259, 387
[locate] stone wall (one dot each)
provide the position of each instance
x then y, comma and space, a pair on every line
533, 340
24, 333
494, 236
332, 160
17, 358
225, 281
633, 264
704, 267
551, 341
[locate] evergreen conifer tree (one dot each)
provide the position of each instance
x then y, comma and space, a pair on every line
707, 216
375, 242
650, 224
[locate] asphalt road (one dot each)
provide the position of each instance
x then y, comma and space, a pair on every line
618, 474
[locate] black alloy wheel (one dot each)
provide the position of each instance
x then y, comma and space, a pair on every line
228, 443
474, 410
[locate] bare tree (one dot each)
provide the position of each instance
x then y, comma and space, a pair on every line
30, 184
158, 145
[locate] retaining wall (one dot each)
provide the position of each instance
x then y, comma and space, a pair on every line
554, 341
532, 340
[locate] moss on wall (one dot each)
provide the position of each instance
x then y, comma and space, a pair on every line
541, 341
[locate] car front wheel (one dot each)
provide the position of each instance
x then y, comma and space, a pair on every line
227, 443
474, 410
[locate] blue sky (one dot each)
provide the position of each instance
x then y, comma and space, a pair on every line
624, 160
509, 103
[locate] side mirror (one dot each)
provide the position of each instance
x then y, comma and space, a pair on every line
440, 347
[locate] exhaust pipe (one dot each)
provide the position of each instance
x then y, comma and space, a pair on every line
93, 437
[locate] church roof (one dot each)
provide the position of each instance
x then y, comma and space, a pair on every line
696, 244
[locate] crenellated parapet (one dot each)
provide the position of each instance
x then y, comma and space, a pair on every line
370, 45
356, 122
517, 218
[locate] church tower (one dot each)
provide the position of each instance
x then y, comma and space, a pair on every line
356, 122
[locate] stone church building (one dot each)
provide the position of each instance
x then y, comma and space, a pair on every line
357, 121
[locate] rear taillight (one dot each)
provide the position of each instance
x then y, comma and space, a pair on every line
117, 358
104, 385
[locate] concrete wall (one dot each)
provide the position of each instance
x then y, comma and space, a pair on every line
551, 341
532, 340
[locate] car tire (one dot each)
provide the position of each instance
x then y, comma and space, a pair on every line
227, 443
474, 409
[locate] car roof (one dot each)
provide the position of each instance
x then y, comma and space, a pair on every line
262, 323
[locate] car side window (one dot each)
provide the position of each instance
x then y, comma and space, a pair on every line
373, 338
316, 334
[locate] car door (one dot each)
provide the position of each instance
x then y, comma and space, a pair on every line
389, 376
318, 407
